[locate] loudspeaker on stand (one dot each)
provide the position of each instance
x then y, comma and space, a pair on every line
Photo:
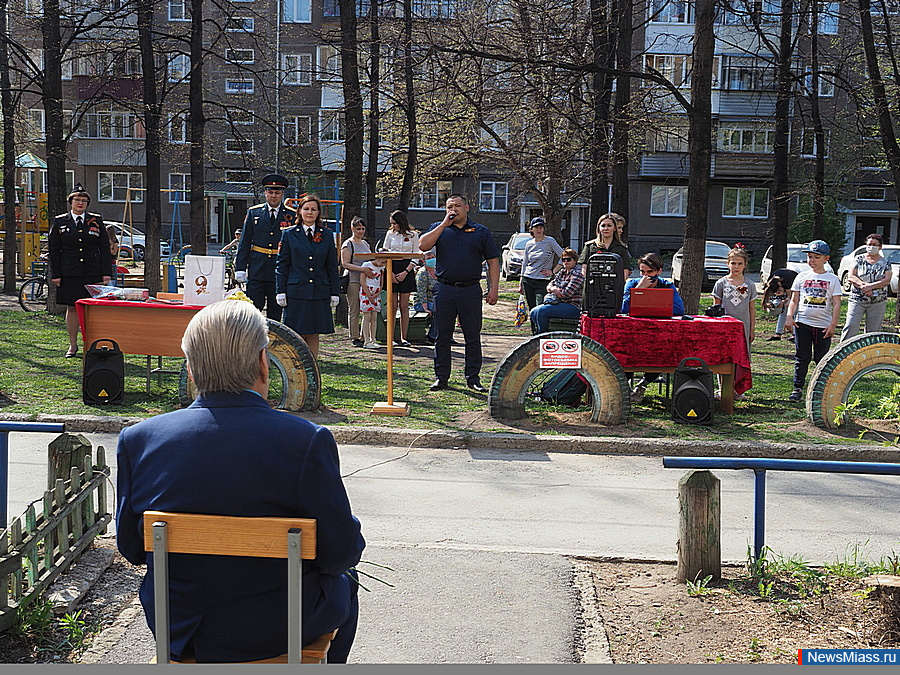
693, 390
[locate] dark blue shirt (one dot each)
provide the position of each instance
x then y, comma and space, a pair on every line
460, 251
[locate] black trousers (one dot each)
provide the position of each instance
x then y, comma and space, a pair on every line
810, 344
262, 293
451, 302
535, 290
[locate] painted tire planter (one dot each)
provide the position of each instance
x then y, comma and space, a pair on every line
842, 367
603, 372
289, 355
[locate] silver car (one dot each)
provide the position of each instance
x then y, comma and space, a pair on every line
796, 261
134, 239
714, 267
890, 251
511, 255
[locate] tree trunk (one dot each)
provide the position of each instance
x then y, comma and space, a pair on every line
700, 149
409, 108
621, 122
353, 116
53, 118
818, 128
781, 184
7, 110
152, 145
197, 120
603, 54
374, 117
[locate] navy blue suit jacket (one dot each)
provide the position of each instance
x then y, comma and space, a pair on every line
307, 270
258, 230
231, 454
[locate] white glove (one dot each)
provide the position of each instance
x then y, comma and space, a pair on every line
241, 276
281, 299
335, 299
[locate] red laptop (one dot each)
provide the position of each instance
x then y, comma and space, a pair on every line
654, 303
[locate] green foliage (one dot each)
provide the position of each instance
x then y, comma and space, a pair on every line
889, 406
801, 226
843, 411
75, 630
699, 587
34, 620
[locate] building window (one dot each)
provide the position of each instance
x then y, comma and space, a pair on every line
668, 201
745, 202
676, 68
296, 130
297, 68
239, 24
828, 17
870, 194
433, 195
238, 145
742, 73
826, 84
111, 124
35, 121
331, 125
433, 9
179, 67
808, 143
750, 12
493, 196
746, 138
239, 86
240, 117
179, 10
180, 187
242, 56
670, 11
297, 11
668, 139
379, 200
499, 133
238, 176
115, 186
177, 128
329, 64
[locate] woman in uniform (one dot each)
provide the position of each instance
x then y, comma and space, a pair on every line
306, 274
79, 255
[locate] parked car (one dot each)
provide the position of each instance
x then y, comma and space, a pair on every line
796, 261
135, 239
511, 255
890, 251
714, 267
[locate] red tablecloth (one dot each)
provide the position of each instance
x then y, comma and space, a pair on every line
663, 343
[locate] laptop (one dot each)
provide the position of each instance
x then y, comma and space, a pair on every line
652, 302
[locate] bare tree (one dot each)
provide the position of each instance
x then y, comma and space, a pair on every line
152, 115
7, 110
374, 115
197, 119
353, 112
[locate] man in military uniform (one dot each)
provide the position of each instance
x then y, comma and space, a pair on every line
260, 236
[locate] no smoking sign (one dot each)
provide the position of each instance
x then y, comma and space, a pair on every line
565, 353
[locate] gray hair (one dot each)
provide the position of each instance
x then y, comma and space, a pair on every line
222, 343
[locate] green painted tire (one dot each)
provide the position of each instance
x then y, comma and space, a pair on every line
834, 377
290, 356
603, 372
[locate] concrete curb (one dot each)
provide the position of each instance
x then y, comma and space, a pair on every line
601, 445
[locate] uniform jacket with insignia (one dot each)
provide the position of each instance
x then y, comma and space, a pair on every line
259, 231
79, 251
307, 270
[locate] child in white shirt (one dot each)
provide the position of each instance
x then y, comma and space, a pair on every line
814, 312
370, 299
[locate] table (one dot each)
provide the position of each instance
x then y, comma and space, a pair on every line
151, 328
659, 345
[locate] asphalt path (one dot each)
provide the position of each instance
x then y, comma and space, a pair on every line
478, 541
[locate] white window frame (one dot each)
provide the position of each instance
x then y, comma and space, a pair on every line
115, 124
179, 10
671, 195
247, 24
671, 11
296, 130
488, 190
746, 138
297, 11
131, 179
239, 146
182, 183
178, 133
179, 67
328, 63
37, 126
860, 188
755, 194
231, 89
433, 200
808, 142
240, 117
829, 17
332, 125
297, 69
668, 138
235, 56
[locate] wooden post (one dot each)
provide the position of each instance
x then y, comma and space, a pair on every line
699, 527
66, 451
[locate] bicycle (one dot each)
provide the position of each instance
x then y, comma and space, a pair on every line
34, 291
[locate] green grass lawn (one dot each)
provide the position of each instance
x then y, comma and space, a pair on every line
34, 379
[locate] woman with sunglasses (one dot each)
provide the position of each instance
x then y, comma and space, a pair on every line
563, 297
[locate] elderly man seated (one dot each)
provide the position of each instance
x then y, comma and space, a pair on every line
230, 454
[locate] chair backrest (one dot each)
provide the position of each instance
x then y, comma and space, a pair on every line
261, 537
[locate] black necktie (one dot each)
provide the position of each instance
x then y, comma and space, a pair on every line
309, 235
272, 216
78, 221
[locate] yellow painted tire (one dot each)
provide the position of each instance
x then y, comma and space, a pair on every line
834, 377
603, 372
290, 356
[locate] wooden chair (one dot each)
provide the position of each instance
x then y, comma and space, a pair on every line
291, 538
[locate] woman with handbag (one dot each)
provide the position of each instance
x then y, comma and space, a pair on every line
352, 269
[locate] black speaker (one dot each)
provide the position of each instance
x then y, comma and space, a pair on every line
103, 378
693, 389
604, 285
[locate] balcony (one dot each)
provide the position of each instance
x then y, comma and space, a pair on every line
128, 88
726, 164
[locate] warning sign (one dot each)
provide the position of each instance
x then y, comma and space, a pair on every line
564, 353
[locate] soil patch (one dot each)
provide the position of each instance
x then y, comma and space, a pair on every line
649, 618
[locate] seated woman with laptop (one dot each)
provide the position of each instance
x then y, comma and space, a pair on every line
650, 296
665, 305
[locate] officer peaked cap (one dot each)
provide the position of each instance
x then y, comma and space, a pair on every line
275, 181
